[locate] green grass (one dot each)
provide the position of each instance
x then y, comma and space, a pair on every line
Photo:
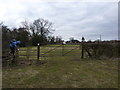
52, 50
63, 72
69, 71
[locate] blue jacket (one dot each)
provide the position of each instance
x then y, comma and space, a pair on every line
14, 44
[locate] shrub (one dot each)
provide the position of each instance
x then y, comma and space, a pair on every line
103, 49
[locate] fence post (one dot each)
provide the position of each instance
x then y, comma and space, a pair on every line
82, 47
27, 53
38, 52
62, 49
17, 56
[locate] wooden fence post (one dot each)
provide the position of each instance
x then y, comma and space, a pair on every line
27, 53
17, 56
62, 49
38, 52
82, 56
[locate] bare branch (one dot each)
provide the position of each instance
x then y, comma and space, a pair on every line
1, 23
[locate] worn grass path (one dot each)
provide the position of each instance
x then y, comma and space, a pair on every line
63, 72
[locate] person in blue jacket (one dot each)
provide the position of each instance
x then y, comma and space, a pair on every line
13, 46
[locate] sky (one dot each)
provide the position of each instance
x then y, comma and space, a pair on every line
70, 18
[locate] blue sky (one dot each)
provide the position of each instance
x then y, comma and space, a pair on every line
70, 18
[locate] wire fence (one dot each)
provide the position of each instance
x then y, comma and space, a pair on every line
48, 51
82, 51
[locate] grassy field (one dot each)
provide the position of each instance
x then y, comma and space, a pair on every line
69, 71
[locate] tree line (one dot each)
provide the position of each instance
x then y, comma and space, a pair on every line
30, 33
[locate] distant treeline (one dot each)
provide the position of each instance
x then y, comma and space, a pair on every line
30, 33
73, 41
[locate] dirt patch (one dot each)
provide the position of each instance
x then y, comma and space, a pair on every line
31, 62
76, 60
41, 62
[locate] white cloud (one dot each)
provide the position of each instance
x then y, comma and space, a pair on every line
70, 18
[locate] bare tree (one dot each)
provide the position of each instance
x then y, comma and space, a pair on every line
1, 23
42, 27
39, 27
28, 27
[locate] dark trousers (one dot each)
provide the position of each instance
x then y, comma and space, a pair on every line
12, 50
